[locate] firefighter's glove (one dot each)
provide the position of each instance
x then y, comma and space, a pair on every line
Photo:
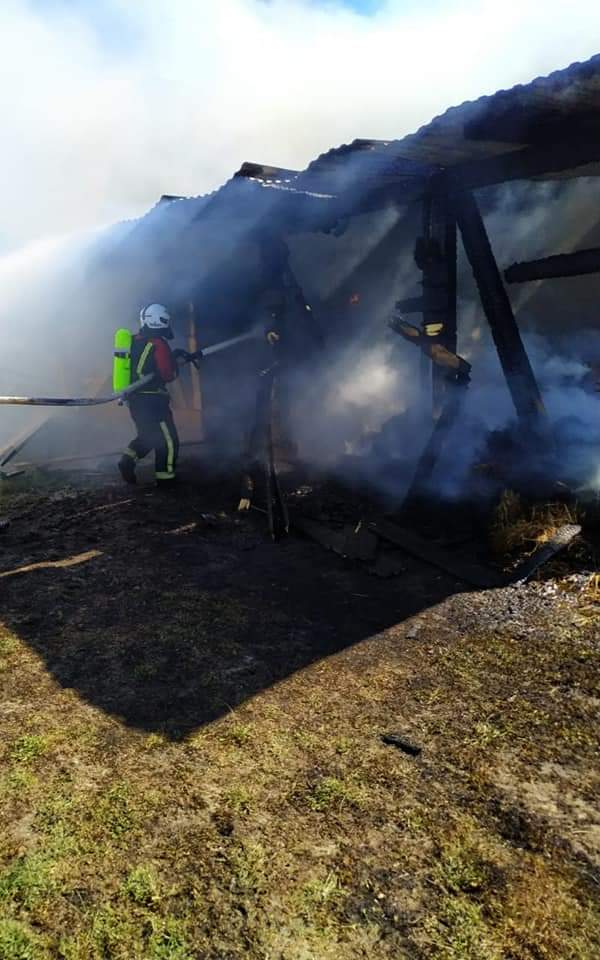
272, 338
180, 354
187, 357
244, 504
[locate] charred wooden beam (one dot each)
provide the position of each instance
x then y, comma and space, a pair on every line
450, 339
524, 164
562, 265
542, 125
496, 304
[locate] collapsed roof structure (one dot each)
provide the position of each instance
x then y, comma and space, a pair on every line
347, 215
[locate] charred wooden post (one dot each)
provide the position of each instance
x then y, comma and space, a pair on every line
496, 304
435, 255
562, 265
260, 458
291, 317
196, 397
434, 447
274, 302
454, 373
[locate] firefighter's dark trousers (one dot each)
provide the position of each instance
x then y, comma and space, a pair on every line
156, 431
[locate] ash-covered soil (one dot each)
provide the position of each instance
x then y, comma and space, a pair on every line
191, 762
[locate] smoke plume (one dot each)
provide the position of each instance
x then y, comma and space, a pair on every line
107, 105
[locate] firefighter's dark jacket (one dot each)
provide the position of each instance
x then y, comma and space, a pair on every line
152, 354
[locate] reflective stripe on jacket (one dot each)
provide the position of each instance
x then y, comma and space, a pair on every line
152, 355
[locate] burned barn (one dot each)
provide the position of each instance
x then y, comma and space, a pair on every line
466, 238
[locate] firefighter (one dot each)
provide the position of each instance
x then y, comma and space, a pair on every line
150, 406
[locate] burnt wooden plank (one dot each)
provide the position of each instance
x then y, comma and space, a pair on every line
576, 264
472, 573
524, 164
321, 534
561, 539
16, 444
353, 541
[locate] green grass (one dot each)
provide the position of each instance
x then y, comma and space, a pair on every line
8, 645
115, 935
239, 799
462, 869
155, 741
17, 942
27, 880
460, 933
168, 941
115, 812
141, 886
332, 793
322, 890
248, 864
19, 780
28, 747
239, 734
109, 934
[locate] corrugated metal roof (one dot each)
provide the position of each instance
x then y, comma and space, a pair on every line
548, 111
563, 105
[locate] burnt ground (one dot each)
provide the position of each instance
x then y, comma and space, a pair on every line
191, 763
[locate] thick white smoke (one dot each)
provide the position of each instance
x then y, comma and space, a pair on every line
106, 104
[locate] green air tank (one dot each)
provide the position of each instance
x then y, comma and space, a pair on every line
122, 360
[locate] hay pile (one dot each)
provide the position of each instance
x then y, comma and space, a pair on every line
518, 528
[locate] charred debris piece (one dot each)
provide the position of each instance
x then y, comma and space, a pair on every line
402, 743
354, 542
454, 540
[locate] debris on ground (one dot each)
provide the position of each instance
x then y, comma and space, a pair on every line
402, 743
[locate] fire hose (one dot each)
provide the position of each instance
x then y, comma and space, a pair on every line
123, 395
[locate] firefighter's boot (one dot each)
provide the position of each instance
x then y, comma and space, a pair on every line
127, 469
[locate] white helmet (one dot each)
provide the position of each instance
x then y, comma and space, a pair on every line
156, 317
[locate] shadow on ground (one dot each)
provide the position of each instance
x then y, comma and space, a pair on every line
167, 618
